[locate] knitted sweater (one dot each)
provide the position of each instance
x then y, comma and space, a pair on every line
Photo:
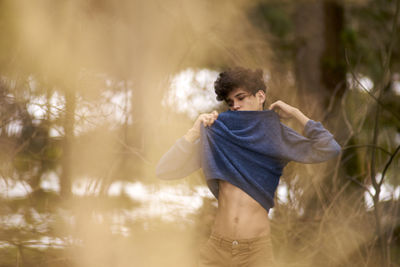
249, 149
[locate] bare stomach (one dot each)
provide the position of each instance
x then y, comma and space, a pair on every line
239, 215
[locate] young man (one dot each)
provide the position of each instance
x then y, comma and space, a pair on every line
242, 153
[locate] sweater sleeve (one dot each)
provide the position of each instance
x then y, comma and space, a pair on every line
180, 160
317, 145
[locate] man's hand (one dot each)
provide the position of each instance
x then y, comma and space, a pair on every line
207, 119
286, 111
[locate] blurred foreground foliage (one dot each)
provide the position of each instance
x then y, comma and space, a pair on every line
74, 110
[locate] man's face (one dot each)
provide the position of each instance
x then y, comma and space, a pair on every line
240, 99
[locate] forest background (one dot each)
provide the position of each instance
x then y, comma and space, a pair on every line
93, 92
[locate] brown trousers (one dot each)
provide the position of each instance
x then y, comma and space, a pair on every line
219, 251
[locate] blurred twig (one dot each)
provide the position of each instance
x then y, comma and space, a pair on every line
367, 91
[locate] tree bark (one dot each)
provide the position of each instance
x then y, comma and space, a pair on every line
319, 59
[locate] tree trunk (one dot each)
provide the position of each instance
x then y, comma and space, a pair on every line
319, 60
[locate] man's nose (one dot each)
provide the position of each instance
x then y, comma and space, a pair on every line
235, 106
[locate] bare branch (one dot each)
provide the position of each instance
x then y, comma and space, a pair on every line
367, 145
388, 164
368, 92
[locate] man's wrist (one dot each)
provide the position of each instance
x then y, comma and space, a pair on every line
192, 135
300, 117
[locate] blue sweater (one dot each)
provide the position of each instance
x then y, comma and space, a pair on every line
249, 149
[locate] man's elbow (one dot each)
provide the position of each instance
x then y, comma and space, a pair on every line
336, 149
160, 172
333, 151
328, 152
163, 174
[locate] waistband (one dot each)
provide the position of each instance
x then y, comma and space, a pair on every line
239, 243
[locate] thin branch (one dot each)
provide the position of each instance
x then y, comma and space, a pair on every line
361, 185
135, 151
367, 91
388, 164
332, 99
346, 119
393, 39
367, 145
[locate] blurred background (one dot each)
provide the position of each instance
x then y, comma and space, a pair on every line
94, 92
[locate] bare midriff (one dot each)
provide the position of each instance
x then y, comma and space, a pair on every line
239, 215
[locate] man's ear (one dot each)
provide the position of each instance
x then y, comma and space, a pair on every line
261, 96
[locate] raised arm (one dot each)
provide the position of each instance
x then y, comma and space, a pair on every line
180, 160
317, 145
183, 157
286, 111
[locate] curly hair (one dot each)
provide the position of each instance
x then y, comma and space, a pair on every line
231, 79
